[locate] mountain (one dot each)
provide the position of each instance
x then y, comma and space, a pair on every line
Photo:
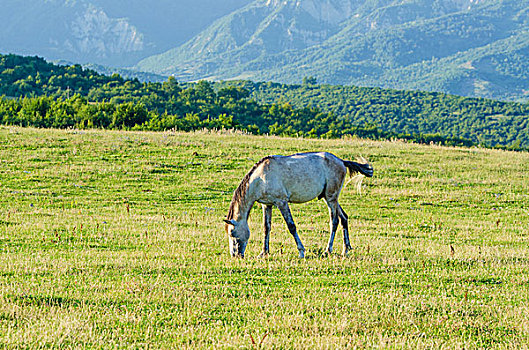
108, 32
125, 73
465, 47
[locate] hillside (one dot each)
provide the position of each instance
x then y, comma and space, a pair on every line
126, 73
476, 48
71, 96
116, 239
464, 47
110, 32
484, 121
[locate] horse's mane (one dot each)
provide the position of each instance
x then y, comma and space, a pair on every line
240, 192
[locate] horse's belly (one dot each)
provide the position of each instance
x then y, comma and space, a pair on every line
304, 192
302, 199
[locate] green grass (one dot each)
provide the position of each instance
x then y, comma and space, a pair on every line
115, 239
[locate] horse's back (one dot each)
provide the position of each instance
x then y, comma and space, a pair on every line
302, 177
313, 163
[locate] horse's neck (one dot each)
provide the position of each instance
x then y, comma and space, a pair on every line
241, 211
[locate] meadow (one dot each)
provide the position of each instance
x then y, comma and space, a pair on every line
115, 239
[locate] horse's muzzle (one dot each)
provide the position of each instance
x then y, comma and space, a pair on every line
237, 248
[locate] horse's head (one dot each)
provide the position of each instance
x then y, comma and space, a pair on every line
238, 235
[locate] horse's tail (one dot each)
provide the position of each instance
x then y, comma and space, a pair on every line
363, 168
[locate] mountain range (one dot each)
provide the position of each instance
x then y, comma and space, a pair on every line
465, 47
477, 48
115, 33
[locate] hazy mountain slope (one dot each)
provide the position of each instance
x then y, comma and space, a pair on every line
267, 27
110, 32
478, 53
498, 70
71, 30
261, 29
167, 23
474, 48
126, 73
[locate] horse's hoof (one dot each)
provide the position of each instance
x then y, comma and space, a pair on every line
263, 255
301, 254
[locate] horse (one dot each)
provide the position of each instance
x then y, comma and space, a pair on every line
280, 180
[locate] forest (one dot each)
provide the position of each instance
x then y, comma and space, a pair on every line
483, 121
41, 94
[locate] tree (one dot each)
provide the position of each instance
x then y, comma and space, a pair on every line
171, 86
310, 80
128, 115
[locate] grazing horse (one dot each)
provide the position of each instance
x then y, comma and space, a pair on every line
279, 180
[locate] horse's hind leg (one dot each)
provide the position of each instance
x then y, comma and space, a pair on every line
285, 211
344, 220
267, 219
333, 213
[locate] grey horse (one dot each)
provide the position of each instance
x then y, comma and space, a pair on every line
280, 180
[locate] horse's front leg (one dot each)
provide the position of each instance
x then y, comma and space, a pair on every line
285, 211
267, 220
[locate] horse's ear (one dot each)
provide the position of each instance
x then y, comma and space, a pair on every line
231, 222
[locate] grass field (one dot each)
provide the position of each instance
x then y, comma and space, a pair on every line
115, 239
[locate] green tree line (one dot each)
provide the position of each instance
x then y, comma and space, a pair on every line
42, 94
485, 122
283, 120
